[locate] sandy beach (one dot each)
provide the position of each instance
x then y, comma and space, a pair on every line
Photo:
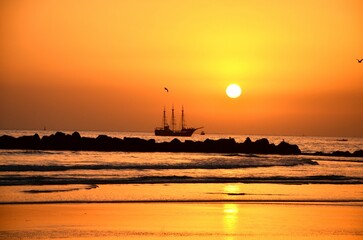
181, 221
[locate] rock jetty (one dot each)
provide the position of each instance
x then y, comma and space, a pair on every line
74, 142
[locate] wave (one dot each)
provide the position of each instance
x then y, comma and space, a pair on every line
341, 160
30, 152
48, 180
35, 191
209, 164
244, 155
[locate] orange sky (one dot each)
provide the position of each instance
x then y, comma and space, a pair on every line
102, 65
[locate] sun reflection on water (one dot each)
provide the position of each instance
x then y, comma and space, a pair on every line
230, 220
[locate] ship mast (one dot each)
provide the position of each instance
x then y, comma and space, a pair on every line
165, 123
172, 119
182, 120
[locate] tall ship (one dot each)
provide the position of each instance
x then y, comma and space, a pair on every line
165, 130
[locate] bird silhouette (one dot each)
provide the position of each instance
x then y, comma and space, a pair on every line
166, 89
360, 61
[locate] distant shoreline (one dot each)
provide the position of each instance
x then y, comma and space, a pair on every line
74, 142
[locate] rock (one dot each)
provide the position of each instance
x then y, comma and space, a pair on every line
7, 142
221, 145
286, 148
358, 153
28, 142
262, 146
341, 153
76, 136
76, 141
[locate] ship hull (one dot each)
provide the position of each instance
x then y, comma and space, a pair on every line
182, 133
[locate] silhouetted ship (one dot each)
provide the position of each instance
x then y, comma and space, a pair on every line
165, 130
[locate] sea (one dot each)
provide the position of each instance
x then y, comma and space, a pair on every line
37, 176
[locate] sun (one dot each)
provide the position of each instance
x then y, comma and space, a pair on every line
233, 91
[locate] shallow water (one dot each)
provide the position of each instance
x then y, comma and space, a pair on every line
28, 175
123, 195
166, 193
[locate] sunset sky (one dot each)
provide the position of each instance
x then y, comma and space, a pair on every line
103, 65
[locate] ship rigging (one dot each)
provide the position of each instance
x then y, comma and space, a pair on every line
165, 130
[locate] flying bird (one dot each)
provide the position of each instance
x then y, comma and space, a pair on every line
166, 89
360, 61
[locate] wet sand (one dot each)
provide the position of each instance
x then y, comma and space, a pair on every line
182, 221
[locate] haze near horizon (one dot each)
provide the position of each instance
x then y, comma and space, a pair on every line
103, 65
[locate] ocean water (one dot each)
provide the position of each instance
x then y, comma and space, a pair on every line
90, 176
